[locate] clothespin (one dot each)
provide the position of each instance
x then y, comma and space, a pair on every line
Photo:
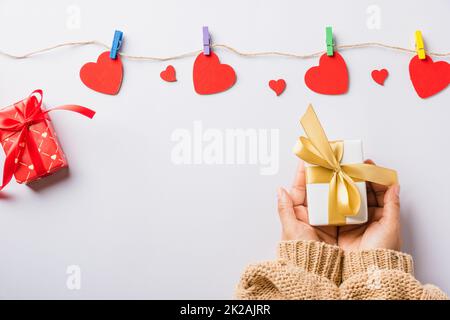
206, 41
117, 43
420, 48
330, 42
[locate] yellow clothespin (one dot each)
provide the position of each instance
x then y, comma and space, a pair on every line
420, 48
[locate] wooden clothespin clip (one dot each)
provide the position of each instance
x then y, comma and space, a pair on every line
420, 48
206, 41
117, 43
330, 42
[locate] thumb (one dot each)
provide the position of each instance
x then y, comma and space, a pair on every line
392, 203
285, 207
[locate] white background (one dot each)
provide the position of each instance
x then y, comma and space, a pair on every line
141, 227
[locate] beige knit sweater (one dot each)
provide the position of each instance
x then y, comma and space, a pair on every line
315, 270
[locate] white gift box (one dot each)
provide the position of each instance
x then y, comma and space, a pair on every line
317, 193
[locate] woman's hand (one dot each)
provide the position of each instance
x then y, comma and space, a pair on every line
383, 228
381, 231
293, 211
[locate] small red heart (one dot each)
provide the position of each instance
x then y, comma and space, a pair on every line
278, 86
103, 76
379, 76
330, 76
168, 74
210, 76
428, 77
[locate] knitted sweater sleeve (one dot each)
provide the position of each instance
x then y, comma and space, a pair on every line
315, 270
383, 274
303, 270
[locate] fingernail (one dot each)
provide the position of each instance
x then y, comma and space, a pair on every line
279, 192
397, 190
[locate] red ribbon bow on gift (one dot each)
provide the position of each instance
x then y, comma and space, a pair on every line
27, 115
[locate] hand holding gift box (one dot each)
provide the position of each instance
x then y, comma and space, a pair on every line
336, 176
29, 140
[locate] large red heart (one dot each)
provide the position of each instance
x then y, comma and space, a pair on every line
329, 77
428, 77
210, 76
379, 76
103, 76
168, 74
278, 86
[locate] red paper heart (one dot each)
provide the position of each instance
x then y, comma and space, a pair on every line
103, 76
379, 76
428, 77
210, 76
329, 77
168, 74
278, 86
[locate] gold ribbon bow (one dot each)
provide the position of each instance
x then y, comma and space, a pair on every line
343, 195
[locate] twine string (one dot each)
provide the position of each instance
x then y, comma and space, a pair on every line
222, 46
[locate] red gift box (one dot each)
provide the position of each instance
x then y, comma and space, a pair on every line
29, 140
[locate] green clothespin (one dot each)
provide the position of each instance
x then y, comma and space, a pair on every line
330, 44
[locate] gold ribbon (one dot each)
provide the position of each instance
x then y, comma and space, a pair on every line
343, 195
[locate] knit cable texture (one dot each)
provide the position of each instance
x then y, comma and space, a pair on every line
315, 270
314, 257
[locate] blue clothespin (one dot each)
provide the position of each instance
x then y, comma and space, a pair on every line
117, 43
206, 41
